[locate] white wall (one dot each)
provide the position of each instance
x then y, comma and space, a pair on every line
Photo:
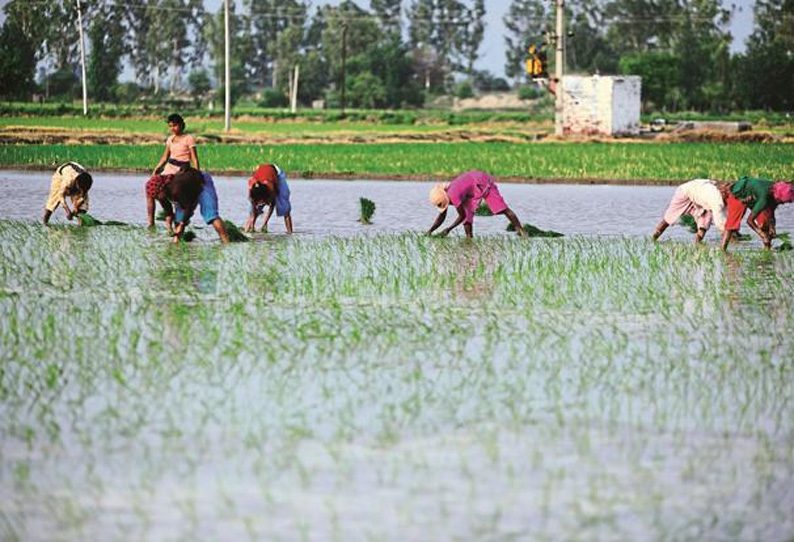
600, 105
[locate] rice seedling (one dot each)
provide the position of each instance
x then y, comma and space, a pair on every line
392, 383
483, 210
88, 221
235, 234
533, 231
573, 161
689, 223
367, 210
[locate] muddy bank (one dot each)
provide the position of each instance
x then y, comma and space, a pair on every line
17, 135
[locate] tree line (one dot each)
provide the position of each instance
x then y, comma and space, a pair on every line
391, 55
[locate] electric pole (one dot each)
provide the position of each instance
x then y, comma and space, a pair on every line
227, 122
559, 61
344, 66
82, 58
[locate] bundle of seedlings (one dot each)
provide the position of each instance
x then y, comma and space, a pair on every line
235, 234
533, 231
483, 210
367, 210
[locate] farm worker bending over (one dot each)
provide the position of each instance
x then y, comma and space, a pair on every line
763, 196
186, 190
269, 187
702, 200
71, 180
465, 193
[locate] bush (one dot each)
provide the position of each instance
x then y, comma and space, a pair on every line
199, 82
127, 92
529, 92
464, 90
272, 97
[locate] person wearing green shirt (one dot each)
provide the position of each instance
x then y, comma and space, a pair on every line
762, 196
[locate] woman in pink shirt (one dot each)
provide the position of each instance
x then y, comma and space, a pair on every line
465, 192
180, 149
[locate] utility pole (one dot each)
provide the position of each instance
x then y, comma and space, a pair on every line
82, 58
227, 123
559, 62
294, 90
344, 65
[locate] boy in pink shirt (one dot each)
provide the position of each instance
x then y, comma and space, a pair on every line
465, 192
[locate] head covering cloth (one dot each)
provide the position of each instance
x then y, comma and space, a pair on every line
783, 192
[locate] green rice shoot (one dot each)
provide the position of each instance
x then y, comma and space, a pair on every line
367, 210
534, 231
235, 234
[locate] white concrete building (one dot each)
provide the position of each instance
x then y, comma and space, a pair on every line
601, 105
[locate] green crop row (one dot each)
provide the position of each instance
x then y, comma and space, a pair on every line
618, 161
390, 117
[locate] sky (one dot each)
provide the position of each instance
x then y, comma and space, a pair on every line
492, 53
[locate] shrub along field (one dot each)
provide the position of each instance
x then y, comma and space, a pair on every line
392, 387
671, 162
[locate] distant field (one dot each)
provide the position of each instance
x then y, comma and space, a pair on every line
573, 161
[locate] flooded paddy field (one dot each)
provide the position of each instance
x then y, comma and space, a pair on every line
335, 385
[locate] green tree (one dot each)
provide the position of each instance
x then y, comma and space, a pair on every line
526, 22
241, 49
388, 13
18, 58
24, 42
199, 83
587, 47
164, 35
270, 19
106, 39
641, 25
659, 72
474, 32
764, 76
365, 90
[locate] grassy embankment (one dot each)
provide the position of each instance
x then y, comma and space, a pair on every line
541, 161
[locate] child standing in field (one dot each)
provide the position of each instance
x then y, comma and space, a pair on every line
269, 187
72, 181
703, 200
465, 192
764, 196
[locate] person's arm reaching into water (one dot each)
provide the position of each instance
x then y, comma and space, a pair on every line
250, 224
268, 215
461, 217
442, 216
65, 204
511, 216
766, 239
